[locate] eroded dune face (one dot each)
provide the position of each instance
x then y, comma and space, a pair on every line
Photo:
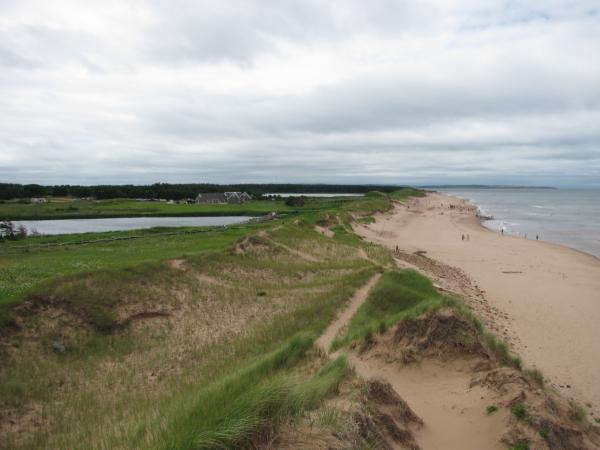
442, 366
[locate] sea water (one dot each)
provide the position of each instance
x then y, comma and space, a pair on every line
569, 217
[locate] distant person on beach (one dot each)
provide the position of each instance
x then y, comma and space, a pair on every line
502, 230
397, 251
537, 237
463, 237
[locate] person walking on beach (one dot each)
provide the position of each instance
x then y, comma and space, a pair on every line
463, 237
537, 237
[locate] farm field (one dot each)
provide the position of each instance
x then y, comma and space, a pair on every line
65, 208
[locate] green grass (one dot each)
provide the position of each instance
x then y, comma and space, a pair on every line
398, 296
231, 412
519, 410
132, 208
80, 209
521, 445
491, 409
112, 404
404, 295
405, 193
577, 411
227, 365
24, 265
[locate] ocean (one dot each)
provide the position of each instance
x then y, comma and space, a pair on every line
569, 217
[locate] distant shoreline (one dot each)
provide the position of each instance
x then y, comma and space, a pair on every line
482, 186
481, 219
549, 236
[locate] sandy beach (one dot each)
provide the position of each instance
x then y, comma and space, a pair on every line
543, 299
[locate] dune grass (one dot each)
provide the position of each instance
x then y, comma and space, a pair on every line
399, 295
405, 294
407, 192
224, 364
25, 264
126, 387
232, 412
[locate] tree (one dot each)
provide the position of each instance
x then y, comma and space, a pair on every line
295, 201
7, 230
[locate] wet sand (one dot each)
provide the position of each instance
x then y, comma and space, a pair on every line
544, 299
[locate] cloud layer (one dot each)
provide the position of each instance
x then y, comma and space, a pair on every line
328, 91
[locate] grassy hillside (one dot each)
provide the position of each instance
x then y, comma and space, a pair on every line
24, 264
129, 335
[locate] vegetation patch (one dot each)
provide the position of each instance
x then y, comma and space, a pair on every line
491, 409
398, 296
519, 411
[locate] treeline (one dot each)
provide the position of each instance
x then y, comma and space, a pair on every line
10, 191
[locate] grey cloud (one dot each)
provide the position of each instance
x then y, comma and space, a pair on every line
409, 92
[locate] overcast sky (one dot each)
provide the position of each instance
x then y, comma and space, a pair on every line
385, 91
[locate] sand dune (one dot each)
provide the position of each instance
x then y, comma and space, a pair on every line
543, 298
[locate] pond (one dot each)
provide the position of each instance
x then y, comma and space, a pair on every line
73, 226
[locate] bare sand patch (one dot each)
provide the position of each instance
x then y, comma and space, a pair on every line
324, 231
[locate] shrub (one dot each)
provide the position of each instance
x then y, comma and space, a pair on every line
519, 410
491, 409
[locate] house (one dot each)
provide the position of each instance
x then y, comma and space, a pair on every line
203, 199
39, 200
226, 197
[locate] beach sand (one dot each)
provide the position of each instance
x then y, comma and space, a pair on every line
542, 298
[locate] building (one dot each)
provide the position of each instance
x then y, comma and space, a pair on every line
225, 197
237, 197
39, 200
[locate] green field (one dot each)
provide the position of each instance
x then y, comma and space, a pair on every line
80, 209
26, 263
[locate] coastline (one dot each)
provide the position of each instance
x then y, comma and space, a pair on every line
541, 297
553, 234
481, 219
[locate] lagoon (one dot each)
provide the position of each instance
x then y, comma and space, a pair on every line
73, 226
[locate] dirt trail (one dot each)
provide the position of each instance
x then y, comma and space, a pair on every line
324, 341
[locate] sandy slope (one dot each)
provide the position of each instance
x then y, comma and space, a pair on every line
545, 298
439, 393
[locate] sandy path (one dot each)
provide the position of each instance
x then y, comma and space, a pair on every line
544, 298
324, 341
452, 412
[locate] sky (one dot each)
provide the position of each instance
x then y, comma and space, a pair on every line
379, 91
